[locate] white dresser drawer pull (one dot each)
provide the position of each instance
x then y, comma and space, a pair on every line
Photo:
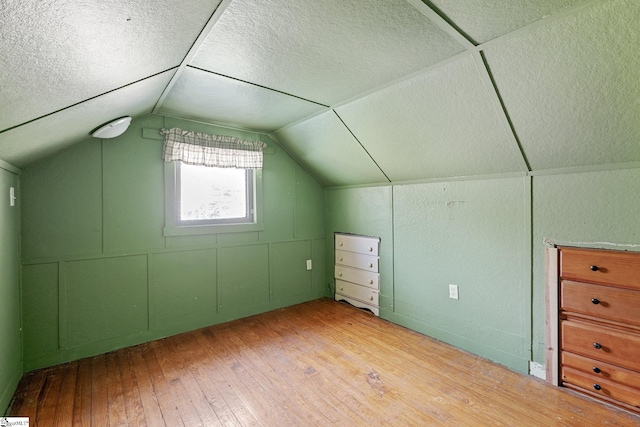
342, 288
371, 281
371, 297
340, 274
370, 249
370, 265
341, 259
340, 243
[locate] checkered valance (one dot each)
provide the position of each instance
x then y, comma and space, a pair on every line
202, 149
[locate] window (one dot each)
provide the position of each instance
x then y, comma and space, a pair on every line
211, 195
213, 183
210, 200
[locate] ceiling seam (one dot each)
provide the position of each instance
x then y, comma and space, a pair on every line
204, 33
442, 23
86, 100
500, 108
471, 49
257, 85
382, 87
357, 140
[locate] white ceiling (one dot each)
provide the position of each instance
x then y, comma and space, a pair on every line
359, 92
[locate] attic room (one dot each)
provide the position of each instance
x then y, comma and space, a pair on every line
490, 149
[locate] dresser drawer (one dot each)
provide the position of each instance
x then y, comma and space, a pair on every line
620, 305
352, 259
602, 343
361, 293
597, 266
602, 386
601, 370
361, 277
360, 244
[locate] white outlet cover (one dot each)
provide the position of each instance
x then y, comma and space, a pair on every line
309, 265
453, 291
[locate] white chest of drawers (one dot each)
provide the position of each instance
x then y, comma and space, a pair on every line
356, 270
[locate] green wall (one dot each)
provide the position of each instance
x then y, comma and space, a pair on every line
599, 209
488, 236
10, 340
470, 233
98, 274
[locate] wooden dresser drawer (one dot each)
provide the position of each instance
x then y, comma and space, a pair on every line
620, 305
601, 386
361, 277
356, 260
596, 266
600, 370
602, 343
361, 293
360, 244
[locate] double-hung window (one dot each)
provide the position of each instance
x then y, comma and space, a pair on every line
213, 184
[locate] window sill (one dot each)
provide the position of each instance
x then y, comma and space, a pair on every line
194, 230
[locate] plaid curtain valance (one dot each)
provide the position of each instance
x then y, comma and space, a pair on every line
194, 148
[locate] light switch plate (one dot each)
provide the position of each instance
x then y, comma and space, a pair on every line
309, 266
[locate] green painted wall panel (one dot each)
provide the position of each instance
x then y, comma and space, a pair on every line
10, 340
183, 296
119, 183
62, 204
309, 206
289, 274
593, 209
40, 307
278, 179
366, 211
104, 298
243, 277
133, 190
471, 234
319, 283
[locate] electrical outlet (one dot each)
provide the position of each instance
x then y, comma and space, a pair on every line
309, 266
453, 291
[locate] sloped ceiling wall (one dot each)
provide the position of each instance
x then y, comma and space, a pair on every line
359, 91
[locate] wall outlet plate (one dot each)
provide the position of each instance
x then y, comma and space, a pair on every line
453, 291
309, 266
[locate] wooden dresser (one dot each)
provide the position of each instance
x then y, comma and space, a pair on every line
356, 270
599, 334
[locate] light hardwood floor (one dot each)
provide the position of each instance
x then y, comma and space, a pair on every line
315, 364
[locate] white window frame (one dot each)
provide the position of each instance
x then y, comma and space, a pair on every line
175, 227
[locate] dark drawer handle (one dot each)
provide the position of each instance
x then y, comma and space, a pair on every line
597, 345
594, 268
597, 386
596, 370
595, 300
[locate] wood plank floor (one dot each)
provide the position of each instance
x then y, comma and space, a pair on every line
315, 364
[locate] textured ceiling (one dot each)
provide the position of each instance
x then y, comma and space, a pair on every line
358, 91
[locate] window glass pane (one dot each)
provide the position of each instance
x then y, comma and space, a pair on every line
208, 193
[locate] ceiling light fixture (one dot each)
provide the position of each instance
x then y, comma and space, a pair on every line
113, 128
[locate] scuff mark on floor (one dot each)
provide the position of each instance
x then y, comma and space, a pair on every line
373, 378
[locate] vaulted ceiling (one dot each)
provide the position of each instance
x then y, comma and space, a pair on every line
358, 91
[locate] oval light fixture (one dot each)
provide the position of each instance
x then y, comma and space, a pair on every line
113, 128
